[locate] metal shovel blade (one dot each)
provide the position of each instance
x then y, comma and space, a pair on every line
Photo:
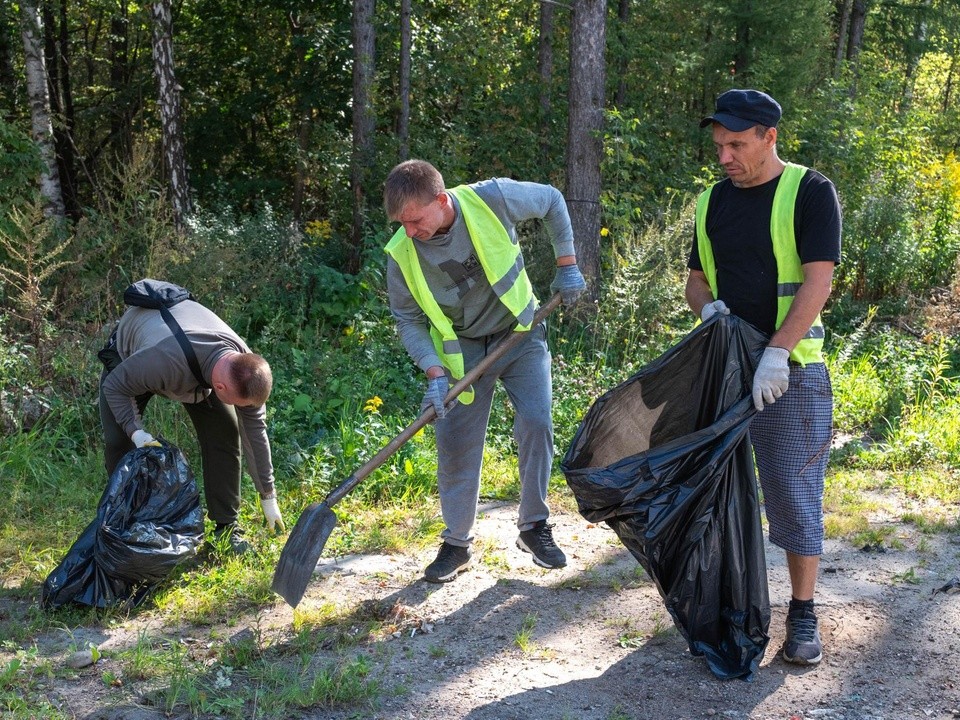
300, 554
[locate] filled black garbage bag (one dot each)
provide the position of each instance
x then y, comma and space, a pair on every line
148, 520
665, 459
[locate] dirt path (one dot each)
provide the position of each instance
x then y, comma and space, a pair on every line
601, 645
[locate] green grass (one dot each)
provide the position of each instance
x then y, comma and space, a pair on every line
523, 638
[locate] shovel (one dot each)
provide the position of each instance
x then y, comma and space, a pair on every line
302, 550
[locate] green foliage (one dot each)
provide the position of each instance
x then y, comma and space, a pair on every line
20, 166
127, 235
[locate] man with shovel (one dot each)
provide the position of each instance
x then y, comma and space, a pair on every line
766, 242
225, 402
457, 288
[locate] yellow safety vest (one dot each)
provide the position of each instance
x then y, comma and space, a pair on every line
503, 267
789, 270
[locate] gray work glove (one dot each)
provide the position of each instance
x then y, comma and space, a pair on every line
712, 308
772, 377
141, 438
569, 283
437, 389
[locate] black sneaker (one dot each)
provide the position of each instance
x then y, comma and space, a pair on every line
538, 541
802, 646
228, 538
451, 560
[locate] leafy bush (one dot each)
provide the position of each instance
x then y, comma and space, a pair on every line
20, 166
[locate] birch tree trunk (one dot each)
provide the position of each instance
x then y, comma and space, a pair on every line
174, 154
364, 40
41, 126
584, 142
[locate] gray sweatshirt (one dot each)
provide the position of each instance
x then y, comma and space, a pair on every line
455, 276
153, 362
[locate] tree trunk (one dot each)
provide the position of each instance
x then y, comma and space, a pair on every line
915, 51
39, 97
302, 120
741, 56
174, 154
623, 62
584, 142
843, 26
8, 78
364, 40
406, 45
56, 56
121, 132
545, 70
858, 19
948, 87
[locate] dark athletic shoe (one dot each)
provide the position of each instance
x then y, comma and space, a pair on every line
802, 646
450, 562
228, 538
538, 541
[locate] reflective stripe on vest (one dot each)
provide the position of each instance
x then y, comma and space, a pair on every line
789, 269
502, 264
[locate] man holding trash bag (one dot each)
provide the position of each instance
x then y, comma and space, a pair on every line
766, 242
458, 287
145, 357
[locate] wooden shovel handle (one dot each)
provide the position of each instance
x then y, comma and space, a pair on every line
430, 413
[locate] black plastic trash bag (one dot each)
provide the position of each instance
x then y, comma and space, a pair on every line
148, 520
665, 459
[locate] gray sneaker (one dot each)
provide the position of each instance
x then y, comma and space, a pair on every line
802, 646
450, 562
538, 541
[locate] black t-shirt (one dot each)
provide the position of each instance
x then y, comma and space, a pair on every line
738, 225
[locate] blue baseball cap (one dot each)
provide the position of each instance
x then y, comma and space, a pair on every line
740, 110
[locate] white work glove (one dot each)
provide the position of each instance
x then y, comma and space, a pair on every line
772, 377
569, 283
437, 389
712, 308
141, 438
271, 513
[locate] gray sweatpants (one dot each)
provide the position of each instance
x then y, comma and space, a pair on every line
525, 374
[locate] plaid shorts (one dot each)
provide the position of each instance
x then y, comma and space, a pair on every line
791, 443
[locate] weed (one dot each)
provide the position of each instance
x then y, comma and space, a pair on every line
523, 638
908, 576
438, 651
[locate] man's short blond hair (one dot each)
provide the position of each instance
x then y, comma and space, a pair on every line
251, 377
411, 180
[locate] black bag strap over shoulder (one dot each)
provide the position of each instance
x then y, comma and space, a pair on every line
161, 295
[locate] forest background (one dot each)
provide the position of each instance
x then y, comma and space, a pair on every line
239, 150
